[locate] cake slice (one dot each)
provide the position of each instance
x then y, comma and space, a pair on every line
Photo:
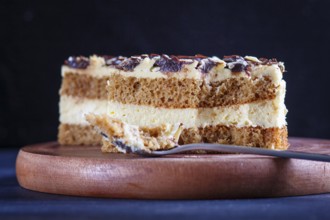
233, 100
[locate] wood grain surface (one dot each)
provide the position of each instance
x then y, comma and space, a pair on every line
86, 171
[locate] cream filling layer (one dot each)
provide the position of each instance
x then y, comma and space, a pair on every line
145, 69
268, 113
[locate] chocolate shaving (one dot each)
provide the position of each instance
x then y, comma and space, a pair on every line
164, 62
122, 63
129, 64
272, 61
113, 61
79, 62
169, 64
237, 64
205, 65
232, 58
268, 62
143, 56
196, 57
152, 55
174, 63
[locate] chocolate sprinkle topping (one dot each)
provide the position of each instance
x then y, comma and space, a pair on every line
113, 61
197, 57
172, 63
238, 67
169, 64
129, 64
237, 64
205, 65
175, 63
79, 62
265, 61
122, 63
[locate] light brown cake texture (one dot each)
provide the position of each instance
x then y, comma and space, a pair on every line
71, 134
247, 136
175, 93
169, 93
84, 86
188, 93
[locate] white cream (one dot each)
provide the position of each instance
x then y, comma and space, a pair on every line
270, 113
73, 109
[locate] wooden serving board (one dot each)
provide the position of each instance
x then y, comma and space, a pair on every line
86, 171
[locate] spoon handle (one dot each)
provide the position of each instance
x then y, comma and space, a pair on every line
244, 150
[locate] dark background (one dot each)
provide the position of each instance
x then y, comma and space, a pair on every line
36, 37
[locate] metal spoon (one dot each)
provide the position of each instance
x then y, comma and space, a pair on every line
232, 149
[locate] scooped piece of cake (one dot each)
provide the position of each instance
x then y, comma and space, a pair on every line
233, 100
129, 138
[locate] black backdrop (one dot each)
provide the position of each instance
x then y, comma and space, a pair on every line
36, 36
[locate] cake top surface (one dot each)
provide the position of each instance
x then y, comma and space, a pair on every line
172, 64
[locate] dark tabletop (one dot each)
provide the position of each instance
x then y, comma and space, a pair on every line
19, 203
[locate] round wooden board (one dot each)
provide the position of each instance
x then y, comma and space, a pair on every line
86, 171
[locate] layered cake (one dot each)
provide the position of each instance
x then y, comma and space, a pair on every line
233, 100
